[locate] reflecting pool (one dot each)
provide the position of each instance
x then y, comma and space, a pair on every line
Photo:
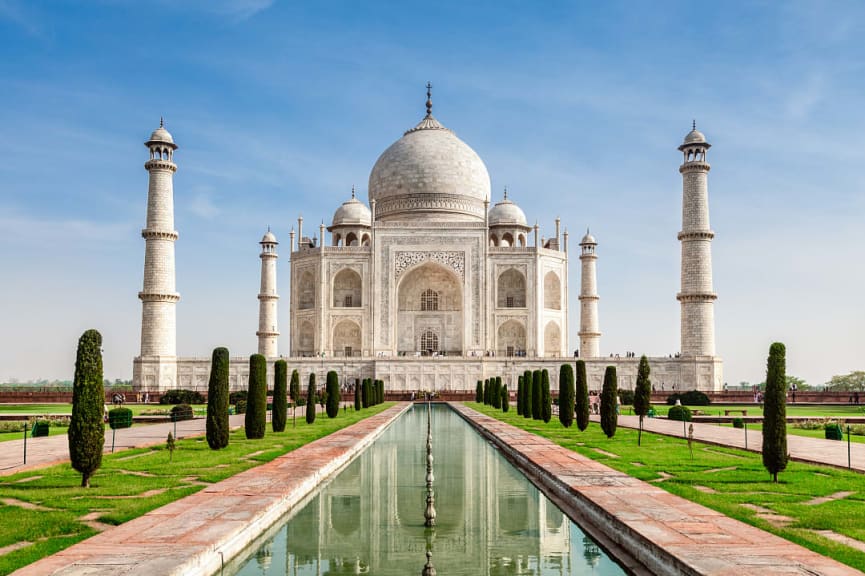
369, 519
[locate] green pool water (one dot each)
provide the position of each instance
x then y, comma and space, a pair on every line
369, 519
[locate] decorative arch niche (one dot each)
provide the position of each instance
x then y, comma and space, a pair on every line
552, 339
429, 301
346, 339
511, 289
306, 291
552, 291
347, 289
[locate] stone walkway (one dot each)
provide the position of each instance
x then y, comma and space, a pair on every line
193, 535
802, 448
49, 450
668, 534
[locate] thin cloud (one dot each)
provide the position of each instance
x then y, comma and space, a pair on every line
24, 18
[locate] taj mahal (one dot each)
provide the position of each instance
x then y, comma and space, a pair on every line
430, 286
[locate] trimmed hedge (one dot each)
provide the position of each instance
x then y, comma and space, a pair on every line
479, 392
181, 412
775, 411
333, 394
689, 398
833, 432
310, 399
546, 398
609, 417
506, 399
181, 397
679, 413
566, 395
581, 403
537, 396
119, 418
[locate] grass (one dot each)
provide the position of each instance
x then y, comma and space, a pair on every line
39, 409
134, 482
793, 410
737, 478
52, 431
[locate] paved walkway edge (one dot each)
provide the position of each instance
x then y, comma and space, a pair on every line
196, 535
663, 533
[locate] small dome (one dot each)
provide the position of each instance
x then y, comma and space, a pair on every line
588, 239
161, 135
695, 137
353, 212
269, 238
506, 213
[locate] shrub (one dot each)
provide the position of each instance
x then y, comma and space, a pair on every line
479, 392
738, 423
680, 413
240, 407
181, 397
487, 391
239, 395
689, 398
609, 417
833, 431
566, 395
581, 402
119, 418
217, 400
279, 415
546, 399
310, 399
42, 428
537, 396
333, 394
181, 412
86, 429
496, 391
294, 388
256, 407
627, 397
775, 412
506, 399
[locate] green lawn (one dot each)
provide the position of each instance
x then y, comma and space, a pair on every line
37, 409
797, 410
735, 477
52, 431
133, 482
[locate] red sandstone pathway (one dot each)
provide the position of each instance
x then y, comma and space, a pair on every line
49, 450
817, 450
192, 535
670, 534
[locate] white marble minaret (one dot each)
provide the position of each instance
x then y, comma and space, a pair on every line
268, 298
158, 360
697, 295
590, 334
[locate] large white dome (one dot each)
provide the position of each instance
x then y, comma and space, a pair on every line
429, 174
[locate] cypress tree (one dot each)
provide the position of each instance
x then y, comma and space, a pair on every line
506, 399
380, 388
333, 394
310, 399
356, 394
217, 400
496, 384
537, 396
256, 400
364, 393
775, 412
280, 396
546, 399
479, 392
582, 396
487, 391
528, 385
609, 418
294, 387
520, 395
642, 394
86, 428
566, 395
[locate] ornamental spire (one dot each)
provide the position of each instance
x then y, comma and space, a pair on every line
428, 99
352, 191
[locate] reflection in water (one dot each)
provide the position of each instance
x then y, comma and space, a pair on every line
490, 520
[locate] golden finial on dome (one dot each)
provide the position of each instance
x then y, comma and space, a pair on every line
428, 99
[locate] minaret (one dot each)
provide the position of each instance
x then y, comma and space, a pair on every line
590, 334
159, 296
697, 295
268, 298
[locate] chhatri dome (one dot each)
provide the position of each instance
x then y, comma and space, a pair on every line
695, 136
353, 212
506, 213
161, 134
429, 174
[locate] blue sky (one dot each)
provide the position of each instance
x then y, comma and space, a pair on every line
577, 107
